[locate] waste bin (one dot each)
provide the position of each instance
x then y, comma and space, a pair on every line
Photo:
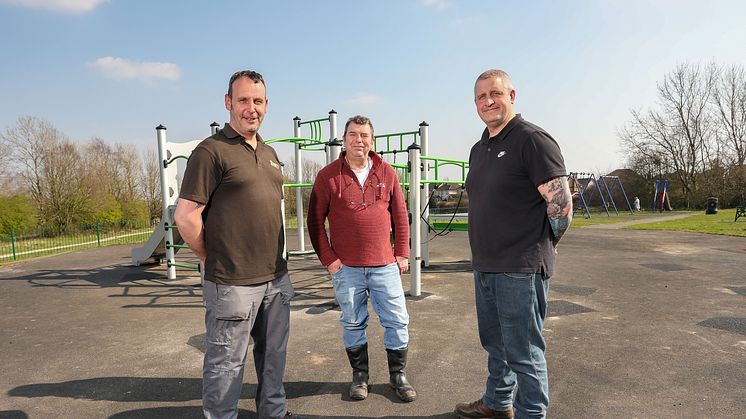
712, 205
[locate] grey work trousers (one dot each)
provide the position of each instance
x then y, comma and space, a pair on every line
233, 314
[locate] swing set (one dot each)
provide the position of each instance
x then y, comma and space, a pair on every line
586, 186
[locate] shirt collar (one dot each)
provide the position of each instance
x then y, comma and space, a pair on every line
503, 132
231, 134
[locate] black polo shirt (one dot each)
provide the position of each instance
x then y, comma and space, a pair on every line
509, 229
242, 190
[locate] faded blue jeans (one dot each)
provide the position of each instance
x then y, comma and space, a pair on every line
511, 308
351, 287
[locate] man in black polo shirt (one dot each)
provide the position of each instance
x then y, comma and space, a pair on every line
229, 214
519, 208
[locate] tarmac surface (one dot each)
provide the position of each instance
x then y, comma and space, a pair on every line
641, 324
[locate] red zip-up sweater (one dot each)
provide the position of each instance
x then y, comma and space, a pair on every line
360, 219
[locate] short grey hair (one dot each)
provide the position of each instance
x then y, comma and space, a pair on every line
358, 120
494, 73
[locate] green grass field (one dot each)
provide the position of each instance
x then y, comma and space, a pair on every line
695, 221
721, 223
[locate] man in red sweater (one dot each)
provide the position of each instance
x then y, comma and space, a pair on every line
360, 195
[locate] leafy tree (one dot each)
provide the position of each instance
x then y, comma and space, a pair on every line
17, 212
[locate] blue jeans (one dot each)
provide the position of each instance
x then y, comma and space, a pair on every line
351, 287
511, 308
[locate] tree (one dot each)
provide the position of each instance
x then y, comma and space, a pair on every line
150, 184
679, 131
16, 212
729, 100
66, 197
310, 169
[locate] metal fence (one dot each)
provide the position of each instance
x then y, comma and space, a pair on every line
39, 241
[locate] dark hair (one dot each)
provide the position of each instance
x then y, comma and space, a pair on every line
358, 120
249, 74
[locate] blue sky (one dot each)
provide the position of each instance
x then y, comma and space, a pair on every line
116, 69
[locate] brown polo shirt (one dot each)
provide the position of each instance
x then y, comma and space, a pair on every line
242, 189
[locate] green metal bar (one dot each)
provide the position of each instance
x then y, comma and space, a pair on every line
439, 159
309, 141
439, 225
171, 160
398, 166
297, 185
98, 233
171, 226
177, 246
313, 147
389, 137
313, 120
181, 265
437, 182
13, 242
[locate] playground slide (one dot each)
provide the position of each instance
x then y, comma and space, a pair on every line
155, 249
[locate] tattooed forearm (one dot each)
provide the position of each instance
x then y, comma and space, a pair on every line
556, 192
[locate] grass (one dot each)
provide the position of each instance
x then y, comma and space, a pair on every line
721, 223
26, 247
697, 222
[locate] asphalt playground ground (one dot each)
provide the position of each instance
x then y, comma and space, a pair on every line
641, 325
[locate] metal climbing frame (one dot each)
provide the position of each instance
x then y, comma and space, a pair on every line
314, 142
165, 241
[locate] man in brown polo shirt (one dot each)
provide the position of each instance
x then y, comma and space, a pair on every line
229, 214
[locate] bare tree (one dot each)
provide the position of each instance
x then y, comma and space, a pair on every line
67, 196
310, 169
729, 100
150, 183
680, 130
31, 140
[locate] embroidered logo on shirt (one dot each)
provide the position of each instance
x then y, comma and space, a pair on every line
274, 164
500, 154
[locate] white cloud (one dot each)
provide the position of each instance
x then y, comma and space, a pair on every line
64, 6
438, 4
364, 98
120, 68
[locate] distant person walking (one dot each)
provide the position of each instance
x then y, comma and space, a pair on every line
637, 204
520, 206
361, 197
229, 214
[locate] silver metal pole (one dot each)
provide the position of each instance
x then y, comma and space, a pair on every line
415, 222
335, 145
165, 194
425, 193
299, 190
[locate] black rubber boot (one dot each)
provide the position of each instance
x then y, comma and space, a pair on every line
397, 380
359, 363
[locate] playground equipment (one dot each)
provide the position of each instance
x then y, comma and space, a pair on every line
415, 177
166, 241
314, 142
582, 183
660, 198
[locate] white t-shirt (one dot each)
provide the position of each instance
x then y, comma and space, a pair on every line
362, 174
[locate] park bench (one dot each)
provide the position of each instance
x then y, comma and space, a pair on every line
740, 212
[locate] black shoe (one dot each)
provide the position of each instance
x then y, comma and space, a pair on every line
397, 380
359, 362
